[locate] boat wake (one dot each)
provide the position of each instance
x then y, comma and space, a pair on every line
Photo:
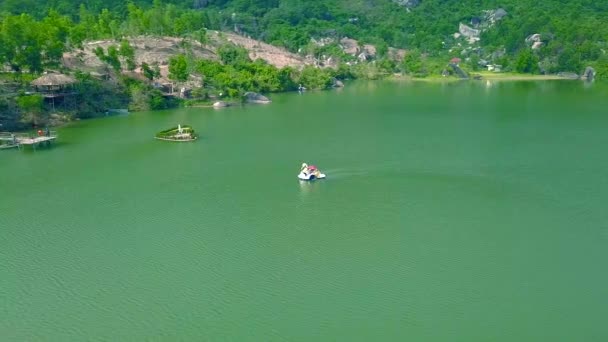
361, 171
344, 173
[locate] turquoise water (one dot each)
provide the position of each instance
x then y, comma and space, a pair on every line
467, 211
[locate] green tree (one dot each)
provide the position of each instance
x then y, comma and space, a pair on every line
526, 62
178, 68
21, 43
111, 58
315, 78
32, 109
128, 53
601, 68
232, 54
412, 63
147, 71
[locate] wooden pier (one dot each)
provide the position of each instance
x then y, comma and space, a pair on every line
11, 140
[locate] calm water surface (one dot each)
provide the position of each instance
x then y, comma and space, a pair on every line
452, 212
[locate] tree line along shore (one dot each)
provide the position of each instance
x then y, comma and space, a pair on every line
154, 55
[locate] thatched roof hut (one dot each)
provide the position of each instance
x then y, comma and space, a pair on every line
53, 83
53, 80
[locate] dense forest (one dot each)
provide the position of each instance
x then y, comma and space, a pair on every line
519, 35
572, 31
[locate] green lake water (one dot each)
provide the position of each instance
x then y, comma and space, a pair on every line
472, 211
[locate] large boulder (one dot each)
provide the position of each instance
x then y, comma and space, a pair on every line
396, 54
533, 38
363, 56
370, 50
493, 16
350, 46
588, 74
252, 97
220, 104
537, 45
467, 31
336, 83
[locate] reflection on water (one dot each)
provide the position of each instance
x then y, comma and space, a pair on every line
306, 186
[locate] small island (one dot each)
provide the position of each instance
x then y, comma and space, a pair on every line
179, 133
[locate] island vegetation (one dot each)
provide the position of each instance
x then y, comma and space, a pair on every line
152, 54
179, 133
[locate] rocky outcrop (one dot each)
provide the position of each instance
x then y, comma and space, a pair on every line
349, 46
370, 50
276, 56
220, 104
588, 74
352, 47
322, 41
492, 16
537, 45
407, 3
159, 50
479, 25
396, 54
534, 40
468, 31
251, 97
151, 50
336, 83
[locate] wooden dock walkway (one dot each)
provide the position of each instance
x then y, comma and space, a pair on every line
10, 140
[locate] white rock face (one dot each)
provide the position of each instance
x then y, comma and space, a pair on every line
533, 38
468, 31
407, 3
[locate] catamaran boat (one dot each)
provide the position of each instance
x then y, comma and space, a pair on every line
309, 173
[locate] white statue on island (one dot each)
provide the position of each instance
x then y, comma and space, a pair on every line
179, 133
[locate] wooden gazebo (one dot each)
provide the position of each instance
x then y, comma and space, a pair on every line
55, 88
53, 84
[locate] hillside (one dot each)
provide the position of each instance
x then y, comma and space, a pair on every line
563, 36
123, 53
159, 50
569, 35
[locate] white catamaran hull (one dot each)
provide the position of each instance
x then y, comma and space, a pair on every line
310, 176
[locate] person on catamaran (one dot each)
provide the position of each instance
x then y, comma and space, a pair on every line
309, 169
310, 172
313, 170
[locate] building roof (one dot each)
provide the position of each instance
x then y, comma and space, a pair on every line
53, 80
